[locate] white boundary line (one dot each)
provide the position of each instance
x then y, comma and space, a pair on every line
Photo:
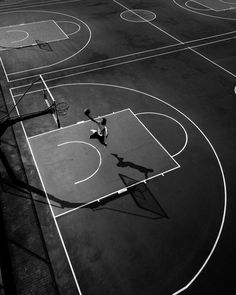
75, 124
99, 154
138, 10
50, 206
164, 115
60, 29
117, 192
192, 1
25, 6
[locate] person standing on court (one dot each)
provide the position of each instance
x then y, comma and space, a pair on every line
101, 133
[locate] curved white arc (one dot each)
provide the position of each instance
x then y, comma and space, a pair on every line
204, 14
64, 21
27, 35
214, 151
189, 6
164, 115
61, 61
100, 158
7, 6
135, 12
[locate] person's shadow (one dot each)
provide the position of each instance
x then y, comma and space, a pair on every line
122, 163
101, 139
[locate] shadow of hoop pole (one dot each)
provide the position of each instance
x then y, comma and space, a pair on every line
143, 197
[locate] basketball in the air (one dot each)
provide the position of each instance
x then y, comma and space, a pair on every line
86, 112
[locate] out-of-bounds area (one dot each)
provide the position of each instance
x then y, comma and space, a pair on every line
135, 196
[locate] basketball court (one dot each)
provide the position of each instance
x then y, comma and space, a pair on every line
148, 213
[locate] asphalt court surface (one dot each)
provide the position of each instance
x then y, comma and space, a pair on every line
26, 34
73, 165
179, 96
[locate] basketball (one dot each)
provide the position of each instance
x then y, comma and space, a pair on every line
87, 112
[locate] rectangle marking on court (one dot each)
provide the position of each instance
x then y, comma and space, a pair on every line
22, 35
77, 169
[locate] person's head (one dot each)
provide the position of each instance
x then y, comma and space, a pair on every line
104, 121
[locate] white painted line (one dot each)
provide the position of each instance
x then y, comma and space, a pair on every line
204, 14
60, 29
51, 96
27, 35
123, 190
189, 2
26, 24
220, 166
9, 7
99, 154
154, 138
133, 11
164, 115
113, 193
4, 70
125, 62
132, 54
50, 206
179, 41
201, 4
138, 11
76, 31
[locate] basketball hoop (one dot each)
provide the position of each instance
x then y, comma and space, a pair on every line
62, 108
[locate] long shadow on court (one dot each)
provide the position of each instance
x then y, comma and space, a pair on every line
124, 164
142, 196
20, 188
